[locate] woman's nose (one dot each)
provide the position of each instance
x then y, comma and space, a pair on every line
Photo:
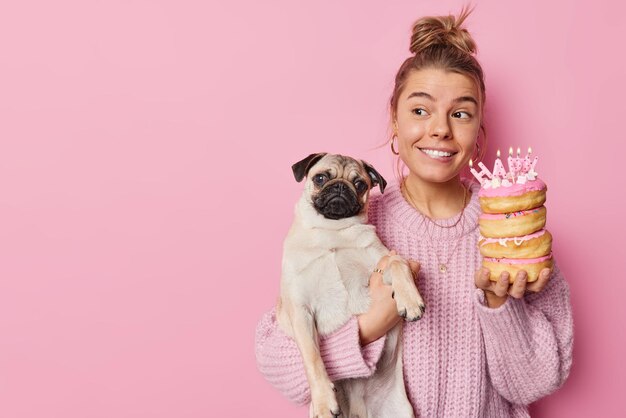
440, 128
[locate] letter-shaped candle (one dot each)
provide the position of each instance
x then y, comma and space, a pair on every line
498, 168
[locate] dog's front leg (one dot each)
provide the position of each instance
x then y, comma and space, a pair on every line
323, 400
408, 300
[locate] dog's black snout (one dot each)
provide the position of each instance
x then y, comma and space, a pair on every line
339, 187
337, 201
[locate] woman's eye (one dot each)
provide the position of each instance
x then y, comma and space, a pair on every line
420, 112
360, 186
461, 115
320, 179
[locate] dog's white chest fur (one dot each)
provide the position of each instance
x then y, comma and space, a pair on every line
333, 288
327, 270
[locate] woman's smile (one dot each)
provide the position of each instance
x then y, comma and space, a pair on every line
439, 154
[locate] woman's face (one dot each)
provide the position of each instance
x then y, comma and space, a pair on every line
438, 119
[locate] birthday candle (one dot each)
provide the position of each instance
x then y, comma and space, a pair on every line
518, 163
476, 174
485, 170
498, 168
526, 163
532, 166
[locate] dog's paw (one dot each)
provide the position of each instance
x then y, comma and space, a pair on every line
324, 404
408, 300
411, 309
411, 315
324, 412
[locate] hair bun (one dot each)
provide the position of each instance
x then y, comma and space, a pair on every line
444, 31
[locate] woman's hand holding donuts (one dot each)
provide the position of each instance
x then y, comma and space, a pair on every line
496, 293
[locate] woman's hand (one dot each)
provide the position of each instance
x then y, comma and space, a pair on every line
383, 312
496, 293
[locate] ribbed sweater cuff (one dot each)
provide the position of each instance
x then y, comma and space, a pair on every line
522, 350
507, 323
343, 355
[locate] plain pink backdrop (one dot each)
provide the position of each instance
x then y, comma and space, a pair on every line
145, 183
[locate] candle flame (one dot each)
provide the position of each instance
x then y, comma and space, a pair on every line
518, 151
511, 151
530, 150
498, 153
471, 164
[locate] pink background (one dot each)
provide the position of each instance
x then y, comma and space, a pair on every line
146, 186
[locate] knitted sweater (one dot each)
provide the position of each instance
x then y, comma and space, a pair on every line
462, 359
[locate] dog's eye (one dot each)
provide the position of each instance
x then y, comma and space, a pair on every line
360, 186
320, 179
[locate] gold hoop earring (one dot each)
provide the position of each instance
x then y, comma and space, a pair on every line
476, 151
392, 148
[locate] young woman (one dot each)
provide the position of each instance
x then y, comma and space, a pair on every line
483, 348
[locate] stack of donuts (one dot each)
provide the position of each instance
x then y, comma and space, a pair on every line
512, 231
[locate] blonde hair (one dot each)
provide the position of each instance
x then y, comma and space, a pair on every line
440, 42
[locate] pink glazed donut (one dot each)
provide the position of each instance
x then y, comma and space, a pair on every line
513, 198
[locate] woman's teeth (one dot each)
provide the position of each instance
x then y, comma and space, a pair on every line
435, 153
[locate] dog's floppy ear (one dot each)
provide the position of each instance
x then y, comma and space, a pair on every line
375, 176
301, 168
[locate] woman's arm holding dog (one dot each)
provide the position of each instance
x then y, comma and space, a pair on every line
279, 360
350, 352
382, 315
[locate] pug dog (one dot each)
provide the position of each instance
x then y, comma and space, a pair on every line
328, 256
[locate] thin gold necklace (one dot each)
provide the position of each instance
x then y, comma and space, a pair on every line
443, 267
410, 199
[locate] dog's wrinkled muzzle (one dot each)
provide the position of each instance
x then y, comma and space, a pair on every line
337, 201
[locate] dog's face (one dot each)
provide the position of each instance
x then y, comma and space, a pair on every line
338, 186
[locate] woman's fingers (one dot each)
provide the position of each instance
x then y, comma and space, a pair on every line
501, 287
382, 263
541, 282
415, 268
518, 288
495, 292
376, 278
481, 279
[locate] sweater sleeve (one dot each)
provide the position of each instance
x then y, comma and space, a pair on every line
278, 357
528, 341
